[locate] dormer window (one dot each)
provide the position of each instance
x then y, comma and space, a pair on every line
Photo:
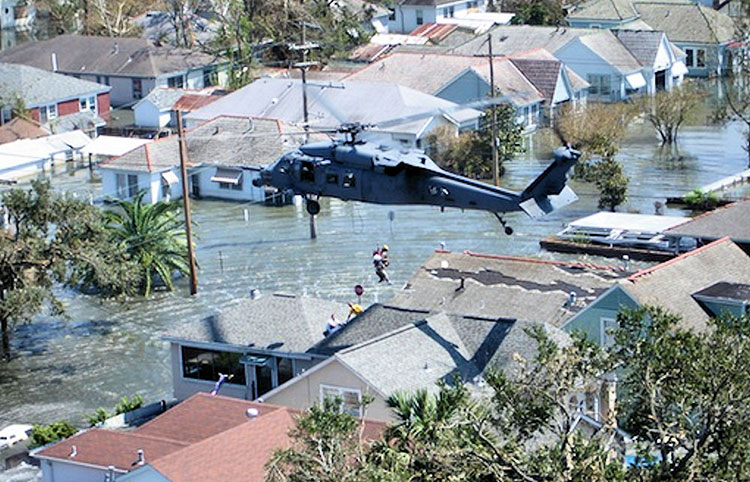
724, 298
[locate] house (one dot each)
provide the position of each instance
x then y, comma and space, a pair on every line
203, 438
409, 15
331, 104
465, 78
697, 285
18, 128
16, 14
418, 355
157, 109
224, 156
663, 63
262, 342
27, 157
731, 220
610, 68
495, 286
132, 67
57, 102
704, 34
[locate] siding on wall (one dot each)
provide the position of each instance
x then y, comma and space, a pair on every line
608, 305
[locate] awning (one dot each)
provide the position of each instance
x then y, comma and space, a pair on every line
229, 176
170, 177
635, 81
678, 68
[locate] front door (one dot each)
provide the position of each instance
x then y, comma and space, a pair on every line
195, 181
262, 379
661, 80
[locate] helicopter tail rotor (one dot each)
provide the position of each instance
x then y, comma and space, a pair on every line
549, 192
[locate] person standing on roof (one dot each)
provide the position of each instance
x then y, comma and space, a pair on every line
354, 310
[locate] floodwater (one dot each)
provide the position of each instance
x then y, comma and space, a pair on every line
65, 367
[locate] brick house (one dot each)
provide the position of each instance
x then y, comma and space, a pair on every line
57, 102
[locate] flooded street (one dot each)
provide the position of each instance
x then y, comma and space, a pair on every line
67, 367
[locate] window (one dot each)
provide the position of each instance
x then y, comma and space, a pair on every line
210, 76
349, 180
137, 88
231, 186
102, 79
391, 14
332, 178
47, 113
695, 58
601, 85
307, 172
448, 12
6, 114
607, 327
351, 399
127, 185
176, 82
202, 364
88, 103
420, 17
284, 369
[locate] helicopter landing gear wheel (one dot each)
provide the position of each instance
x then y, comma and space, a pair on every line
313, 207
508, 230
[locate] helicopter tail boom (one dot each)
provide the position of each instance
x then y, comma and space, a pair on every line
548, 192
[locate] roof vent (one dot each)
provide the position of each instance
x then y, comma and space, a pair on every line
254, 294
251, 413
116, 49
54, 62
572, 298
73, 451
141, 458
626, 261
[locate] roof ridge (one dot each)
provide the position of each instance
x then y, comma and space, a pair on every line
572, 264
643, 272
378, 339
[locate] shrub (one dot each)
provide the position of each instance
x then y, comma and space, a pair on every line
99, 416
701, 201
44, 434
127, 404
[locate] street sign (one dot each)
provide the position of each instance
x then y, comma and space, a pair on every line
359, 290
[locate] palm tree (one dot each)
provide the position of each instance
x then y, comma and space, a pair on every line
153, 236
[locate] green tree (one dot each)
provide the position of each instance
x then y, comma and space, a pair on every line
53, 239
44, 434
327, 447
687, 395
612, 183
535, 12
668, 111
153, 236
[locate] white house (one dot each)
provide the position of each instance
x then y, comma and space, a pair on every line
332, 104
27, 157
607, 65
663, 63
157, 109
410, 14
224, 156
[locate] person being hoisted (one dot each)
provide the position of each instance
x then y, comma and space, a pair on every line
379, 264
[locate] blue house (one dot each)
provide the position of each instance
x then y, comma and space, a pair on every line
701, 284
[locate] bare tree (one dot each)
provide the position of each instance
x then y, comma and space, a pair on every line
668, 111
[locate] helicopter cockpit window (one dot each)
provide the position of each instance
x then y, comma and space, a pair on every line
307, 172
332, 178
349, 180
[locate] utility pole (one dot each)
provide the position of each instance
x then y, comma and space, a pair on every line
303, 66
495, 162
186, 205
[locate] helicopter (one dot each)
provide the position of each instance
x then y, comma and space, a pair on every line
353, 169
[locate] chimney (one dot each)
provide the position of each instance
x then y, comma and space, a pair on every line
609, 402
54, 62
141, 457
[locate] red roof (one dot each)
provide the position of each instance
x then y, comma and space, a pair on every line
203, 438
433, 31
191, 102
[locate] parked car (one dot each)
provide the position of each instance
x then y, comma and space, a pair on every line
12, 435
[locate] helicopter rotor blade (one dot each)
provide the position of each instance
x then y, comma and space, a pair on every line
478, 104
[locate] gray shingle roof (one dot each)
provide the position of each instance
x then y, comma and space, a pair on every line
514, 39
224, 141
542, 73
163, 97
606, 45
672, 284
576, 81
106, 55
643, 44
282, 323
504, 286
732, 221
686, 21
418, 355
605, 10
375, 321
353, 102
38, 87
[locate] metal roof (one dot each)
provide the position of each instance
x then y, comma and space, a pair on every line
630, 222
